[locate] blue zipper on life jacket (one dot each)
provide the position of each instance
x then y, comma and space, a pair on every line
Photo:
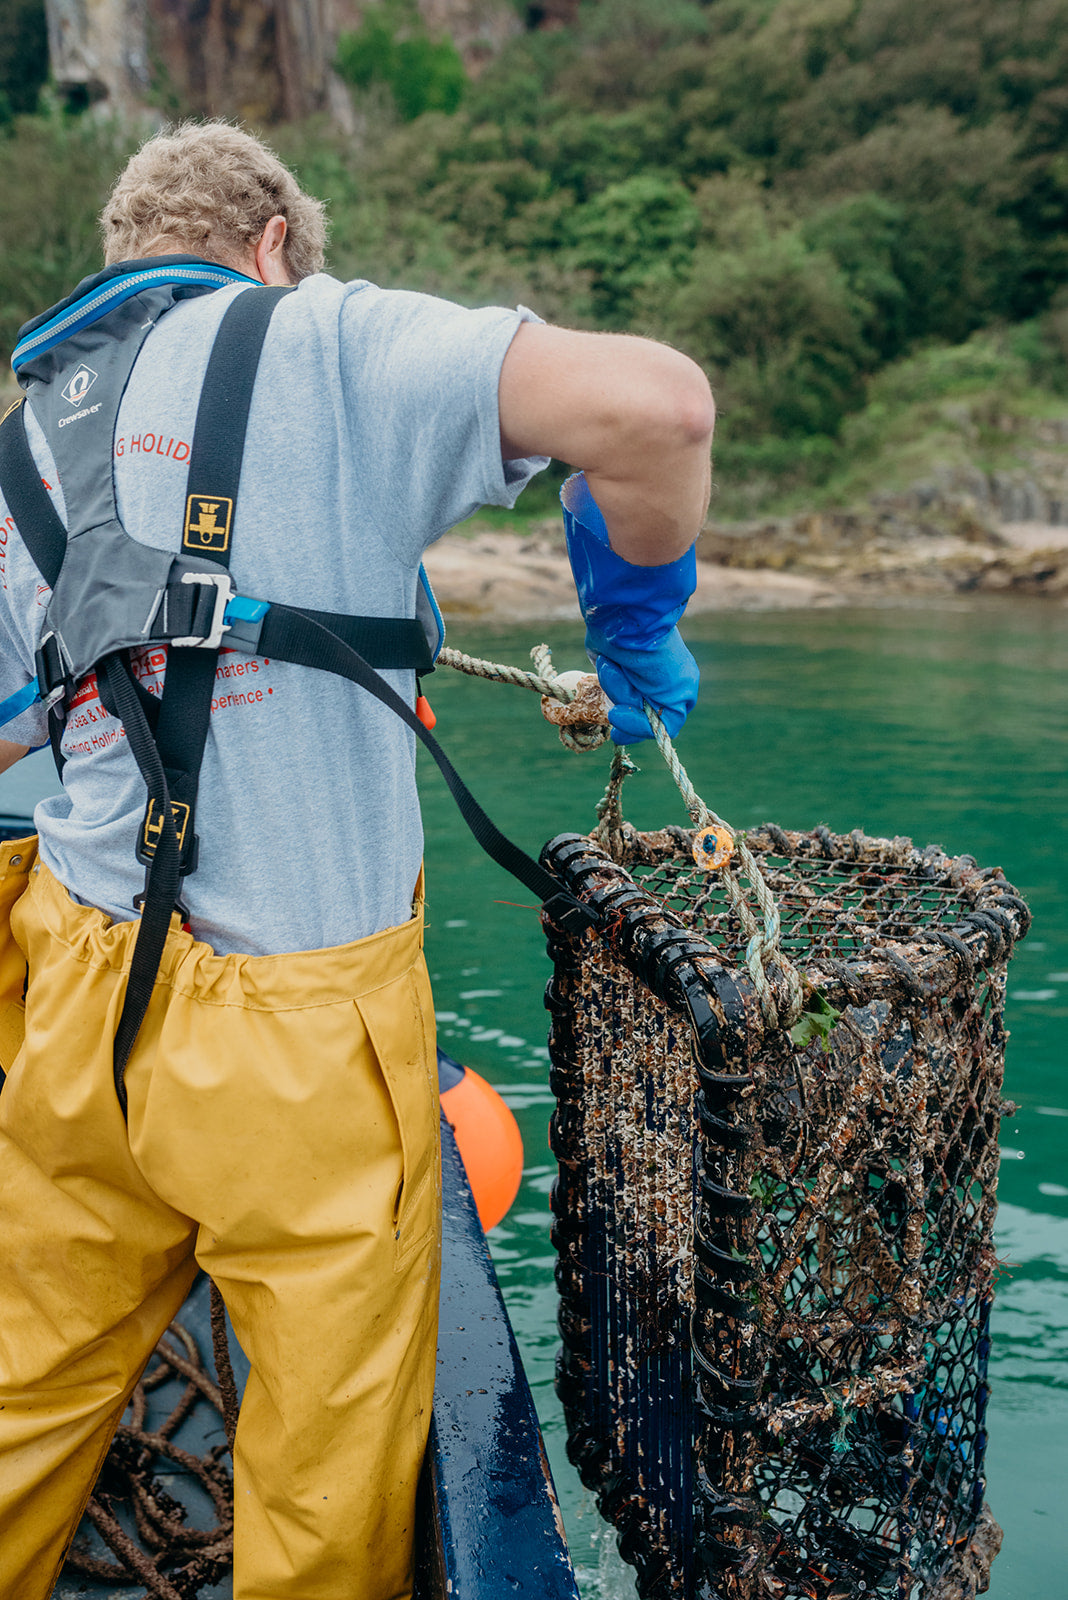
95, 304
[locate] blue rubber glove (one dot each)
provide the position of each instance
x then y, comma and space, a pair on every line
630, 614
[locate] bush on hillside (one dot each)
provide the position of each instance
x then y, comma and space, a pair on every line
780, 332
55, 174
392, 47
635, 238
23, 57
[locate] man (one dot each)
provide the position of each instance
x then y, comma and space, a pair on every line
277, 1116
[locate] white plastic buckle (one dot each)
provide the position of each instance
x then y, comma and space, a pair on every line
224, 593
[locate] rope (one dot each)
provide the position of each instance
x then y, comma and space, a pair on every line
170, 1558
768, 966
763, 946
544, 684
566, 698
228, 1397
609, 834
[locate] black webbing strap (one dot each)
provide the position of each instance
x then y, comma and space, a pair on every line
38, 522
40, 526
211, 495
383, 642
170, 762
119, 694
311, 645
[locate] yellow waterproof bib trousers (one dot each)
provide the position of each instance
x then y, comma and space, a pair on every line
283, 1133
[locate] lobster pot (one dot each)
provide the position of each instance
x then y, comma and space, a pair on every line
775, 1256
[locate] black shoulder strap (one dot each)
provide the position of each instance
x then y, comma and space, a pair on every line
170, 762
222, 420
211, 499
38, 522
161, 884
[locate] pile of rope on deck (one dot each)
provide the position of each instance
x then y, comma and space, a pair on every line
142, 1525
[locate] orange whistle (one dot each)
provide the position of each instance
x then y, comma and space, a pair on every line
425, 713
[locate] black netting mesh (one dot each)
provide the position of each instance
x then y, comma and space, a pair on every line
775, 1246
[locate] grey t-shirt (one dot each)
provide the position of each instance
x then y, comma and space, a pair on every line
374, 428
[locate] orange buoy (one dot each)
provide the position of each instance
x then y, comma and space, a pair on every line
487, 1135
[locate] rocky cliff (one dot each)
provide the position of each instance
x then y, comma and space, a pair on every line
260, 60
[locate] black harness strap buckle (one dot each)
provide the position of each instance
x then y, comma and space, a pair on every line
152, 827
53, 669
570, 914
221, 582
179, 906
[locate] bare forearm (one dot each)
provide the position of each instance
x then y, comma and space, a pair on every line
10, 753
636, 416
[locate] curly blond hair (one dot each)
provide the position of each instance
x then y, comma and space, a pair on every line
209, 189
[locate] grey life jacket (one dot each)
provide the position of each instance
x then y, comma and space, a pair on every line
111, 594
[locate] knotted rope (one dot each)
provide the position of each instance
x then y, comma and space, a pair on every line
573, 701
576, 704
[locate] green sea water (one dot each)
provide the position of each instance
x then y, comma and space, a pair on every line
946, 723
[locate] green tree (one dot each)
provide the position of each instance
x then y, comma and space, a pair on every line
48, 246
586, 151
779, 329
615, 44
23, 56
392, 47
863, 236
960, 253
635, 236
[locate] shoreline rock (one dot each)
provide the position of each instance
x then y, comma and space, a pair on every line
818, 559
885, 550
